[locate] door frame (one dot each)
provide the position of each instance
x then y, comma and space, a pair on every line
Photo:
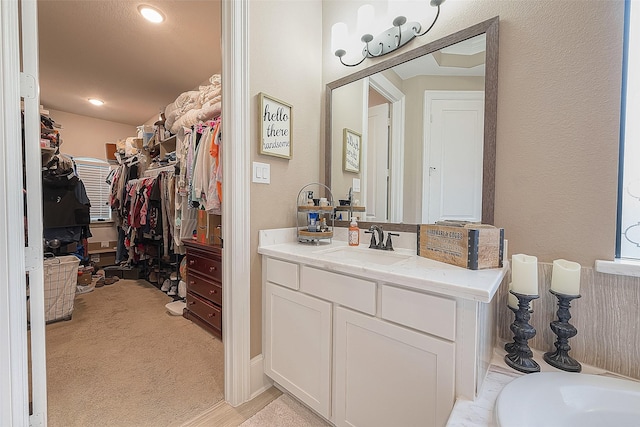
236, 327
14, 383
14, 387
396, 98
371, 179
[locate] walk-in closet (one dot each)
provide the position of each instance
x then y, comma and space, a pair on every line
131, 141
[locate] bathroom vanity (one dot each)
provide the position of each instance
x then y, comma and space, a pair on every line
367, 337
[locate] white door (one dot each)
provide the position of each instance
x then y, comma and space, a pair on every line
298, 345
378, 163
20, 84
387, 375
454, 138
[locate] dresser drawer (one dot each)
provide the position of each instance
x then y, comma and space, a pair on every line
204, 310
207, 266
206, 288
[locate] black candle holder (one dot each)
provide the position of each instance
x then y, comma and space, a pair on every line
564, 330
510, 346
519, 356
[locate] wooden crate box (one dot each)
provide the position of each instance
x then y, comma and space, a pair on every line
469, 245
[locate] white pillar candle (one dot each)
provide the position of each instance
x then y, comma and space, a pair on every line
524, 274
565, 278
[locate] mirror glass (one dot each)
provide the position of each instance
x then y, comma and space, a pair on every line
426, 121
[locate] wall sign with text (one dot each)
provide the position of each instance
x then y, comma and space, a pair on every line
351, 151
275, 127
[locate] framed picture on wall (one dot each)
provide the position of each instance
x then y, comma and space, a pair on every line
275, 127
352, 142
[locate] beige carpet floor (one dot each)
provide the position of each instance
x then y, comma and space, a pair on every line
123, 360
285, 411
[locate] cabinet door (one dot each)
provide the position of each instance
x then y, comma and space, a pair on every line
387, 375
298, 345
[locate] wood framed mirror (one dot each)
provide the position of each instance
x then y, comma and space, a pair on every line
397, 178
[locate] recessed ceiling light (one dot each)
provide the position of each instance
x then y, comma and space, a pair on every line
96, 101
151, 14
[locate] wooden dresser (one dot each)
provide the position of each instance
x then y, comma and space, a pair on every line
204, 286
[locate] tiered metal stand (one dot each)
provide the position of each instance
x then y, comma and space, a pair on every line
307, 205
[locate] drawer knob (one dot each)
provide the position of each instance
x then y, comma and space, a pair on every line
192, 282
192, 262
213, 291
212, 315
192, 303
212, 269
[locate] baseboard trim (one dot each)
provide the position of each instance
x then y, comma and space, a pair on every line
259, 381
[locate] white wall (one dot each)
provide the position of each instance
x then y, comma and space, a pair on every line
285, 41
84, 136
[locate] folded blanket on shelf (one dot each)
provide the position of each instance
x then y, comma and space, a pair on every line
195, 106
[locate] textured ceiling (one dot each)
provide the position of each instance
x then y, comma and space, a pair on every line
105, 49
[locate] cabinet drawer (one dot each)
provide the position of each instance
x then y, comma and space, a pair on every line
428, 313
351, 292
205, 310
207, 266
282, 273
207, 289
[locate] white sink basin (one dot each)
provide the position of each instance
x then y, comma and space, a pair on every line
559, 399
364, 255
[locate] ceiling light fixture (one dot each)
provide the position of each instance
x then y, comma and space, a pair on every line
96, 101
385, 42
151, 14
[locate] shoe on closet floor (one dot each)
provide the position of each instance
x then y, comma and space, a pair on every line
82, 289
153, 277
100, 282
166, 285
173, 290
111, 280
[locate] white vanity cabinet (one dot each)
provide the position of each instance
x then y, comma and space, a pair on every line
388, 375
361, 353
369, 343
298, 345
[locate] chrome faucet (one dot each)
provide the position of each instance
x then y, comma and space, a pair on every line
379, 242
376, 243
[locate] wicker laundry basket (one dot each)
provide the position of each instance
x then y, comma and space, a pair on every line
60, 281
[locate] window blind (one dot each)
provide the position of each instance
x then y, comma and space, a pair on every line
93, 173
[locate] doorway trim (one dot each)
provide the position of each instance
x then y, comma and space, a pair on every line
14, 390
396, 146
236, 207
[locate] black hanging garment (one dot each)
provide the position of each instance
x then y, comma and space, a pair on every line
62, 205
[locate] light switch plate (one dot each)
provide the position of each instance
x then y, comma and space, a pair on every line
261, 173
356, 185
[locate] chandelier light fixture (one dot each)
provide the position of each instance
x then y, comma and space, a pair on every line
385, 42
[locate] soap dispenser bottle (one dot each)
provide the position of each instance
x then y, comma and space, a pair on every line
354, 232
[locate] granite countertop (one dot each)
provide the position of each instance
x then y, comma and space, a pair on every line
407, 268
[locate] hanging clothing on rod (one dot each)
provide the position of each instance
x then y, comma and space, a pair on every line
206, 179
65, 206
